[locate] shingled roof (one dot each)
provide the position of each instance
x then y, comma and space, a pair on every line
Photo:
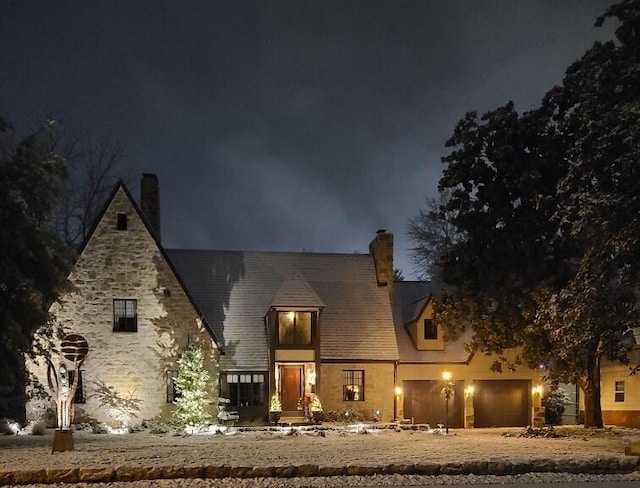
235, 290
410, 299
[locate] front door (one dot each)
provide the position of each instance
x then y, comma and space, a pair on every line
291, 383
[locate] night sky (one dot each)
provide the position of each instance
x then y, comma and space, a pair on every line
284, 126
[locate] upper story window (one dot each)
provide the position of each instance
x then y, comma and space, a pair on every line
122, 222
125, 315
294, 328
430, 329
618, 394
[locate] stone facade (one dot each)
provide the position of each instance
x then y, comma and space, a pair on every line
128, 368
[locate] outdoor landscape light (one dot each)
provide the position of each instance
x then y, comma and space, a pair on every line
447, 393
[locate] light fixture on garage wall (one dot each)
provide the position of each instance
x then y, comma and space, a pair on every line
468, 391
537, 390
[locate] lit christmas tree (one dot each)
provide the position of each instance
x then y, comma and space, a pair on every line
316, 405
275, 406
191, 385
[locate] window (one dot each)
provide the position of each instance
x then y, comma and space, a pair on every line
122, 222
125, 315
430, 329
79, 395
172, 392
294, 328
618, 394
353, 385
244, 389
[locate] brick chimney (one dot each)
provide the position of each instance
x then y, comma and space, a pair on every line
150, 201
381, 249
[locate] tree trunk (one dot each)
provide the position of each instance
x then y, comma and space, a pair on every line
590, 386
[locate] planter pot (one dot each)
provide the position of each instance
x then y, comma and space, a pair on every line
274, 417
317, 416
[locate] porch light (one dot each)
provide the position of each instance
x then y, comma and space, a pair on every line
446, 375
537, 390
311, 377
468, 391
398, 391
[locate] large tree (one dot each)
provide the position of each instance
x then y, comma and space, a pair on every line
546, 206
34, 260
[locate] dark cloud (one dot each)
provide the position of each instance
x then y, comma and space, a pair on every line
285, 125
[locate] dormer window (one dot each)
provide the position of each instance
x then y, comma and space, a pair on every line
294, 328
430, 329
121, 222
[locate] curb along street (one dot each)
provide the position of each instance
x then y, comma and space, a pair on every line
605, 465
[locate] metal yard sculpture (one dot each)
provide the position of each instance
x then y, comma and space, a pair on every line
63, 387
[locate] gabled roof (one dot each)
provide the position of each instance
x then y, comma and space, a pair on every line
296, 291
236, 289
120, 186
411, 298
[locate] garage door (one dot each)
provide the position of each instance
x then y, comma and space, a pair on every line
501, 403
423, 402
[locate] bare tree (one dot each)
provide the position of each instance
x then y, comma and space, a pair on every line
93, 171
433, 234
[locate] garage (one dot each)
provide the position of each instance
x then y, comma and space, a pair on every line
501, 403
423, 403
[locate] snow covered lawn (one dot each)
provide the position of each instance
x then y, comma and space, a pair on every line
332, 447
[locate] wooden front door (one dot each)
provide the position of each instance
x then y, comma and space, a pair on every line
291, 383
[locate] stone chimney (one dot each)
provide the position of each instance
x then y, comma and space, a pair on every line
381, 249
150, 201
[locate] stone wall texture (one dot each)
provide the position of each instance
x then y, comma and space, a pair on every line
127, 368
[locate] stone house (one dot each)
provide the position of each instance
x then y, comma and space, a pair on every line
293, 325
131, 306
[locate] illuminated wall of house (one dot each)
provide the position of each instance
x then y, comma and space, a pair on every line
375, 391
620, 393
417, 332
479, 368
125, 263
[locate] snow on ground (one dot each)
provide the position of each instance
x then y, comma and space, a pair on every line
337, 447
